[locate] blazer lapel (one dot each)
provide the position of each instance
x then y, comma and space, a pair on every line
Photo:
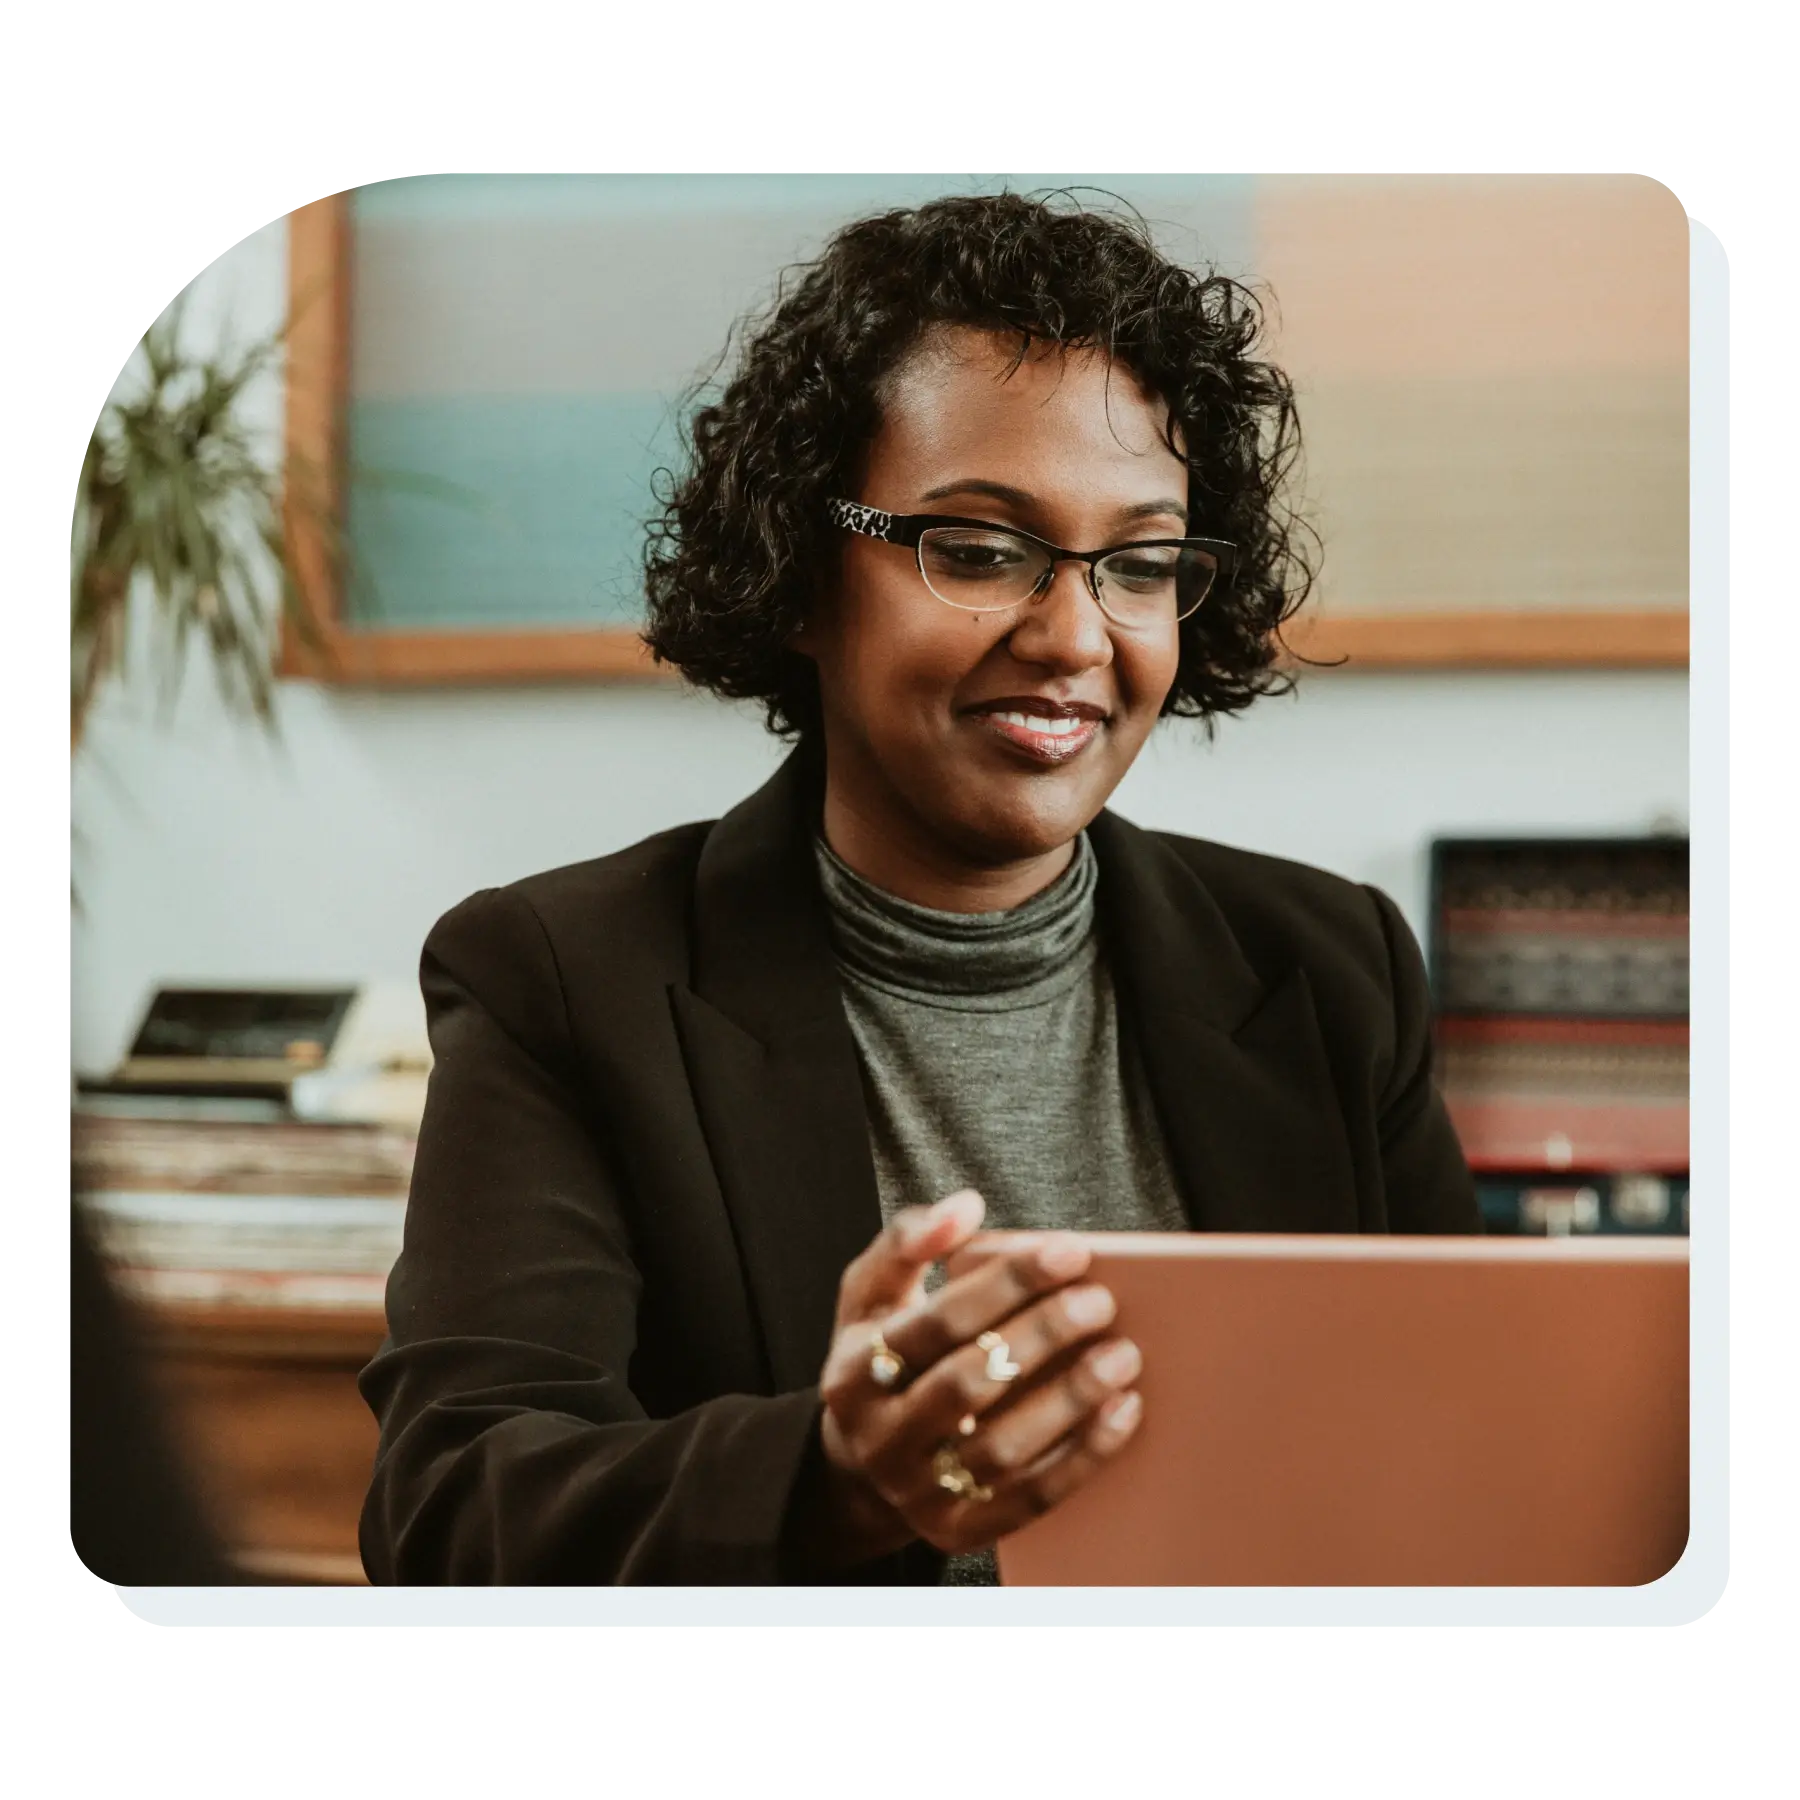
1236, 1067
774, 1068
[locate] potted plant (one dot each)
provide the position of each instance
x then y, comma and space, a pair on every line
178, 502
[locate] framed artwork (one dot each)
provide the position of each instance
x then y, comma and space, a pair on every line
486, 372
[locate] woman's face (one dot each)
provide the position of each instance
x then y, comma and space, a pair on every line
927, 774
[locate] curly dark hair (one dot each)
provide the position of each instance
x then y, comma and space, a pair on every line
735, 559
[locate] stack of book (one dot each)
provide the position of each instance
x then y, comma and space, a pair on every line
1560, 970
223, 1204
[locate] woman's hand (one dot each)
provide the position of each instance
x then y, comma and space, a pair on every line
889, 1481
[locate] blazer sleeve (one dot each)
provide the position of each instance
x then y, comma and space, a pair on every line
1425, 1175
512, 1448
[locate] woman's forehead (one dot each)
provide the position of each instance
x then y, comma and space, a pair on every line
966, 396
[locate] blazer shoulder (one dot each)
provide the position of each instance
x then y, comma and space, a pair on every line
634, 902
1251, 882
1284, 912
649, 873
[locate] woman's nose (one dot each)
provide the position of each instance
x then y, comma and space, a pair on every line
1063, 627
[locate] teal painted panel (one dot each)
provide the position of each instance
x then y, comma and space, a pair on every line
473, 197
471, 512
519, 342
599, 284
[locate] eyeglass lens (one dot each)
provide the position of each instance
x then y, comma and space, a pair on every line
988, 571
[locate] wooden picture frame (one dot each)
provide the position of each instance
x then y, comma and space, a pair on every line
328, 648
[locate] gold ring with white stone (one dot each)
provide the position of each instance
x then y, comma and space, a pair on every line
1000, 1365
885, 1366
951, 1476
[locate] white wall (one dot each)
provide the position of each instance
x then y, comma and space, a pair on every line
205, 853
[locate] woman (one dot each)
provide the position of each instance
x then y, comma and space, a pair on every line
993, 489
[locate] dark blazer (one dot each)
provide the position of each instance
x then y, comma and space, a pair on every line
645, 1162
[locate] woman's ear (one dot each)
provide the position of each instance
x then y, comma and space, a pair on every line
807, 639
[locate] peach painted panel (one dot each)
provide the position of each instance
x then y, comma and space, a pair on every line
1558, 492
1472, 275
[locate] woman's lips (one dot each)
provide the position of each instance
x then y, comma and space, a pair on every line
1044, 740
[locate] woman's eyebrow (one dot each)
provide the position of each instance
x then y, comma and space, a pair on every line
991, 490
1155, 509
1023, 501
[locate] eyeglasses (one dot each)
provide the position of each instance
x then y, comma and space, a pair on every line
982, 567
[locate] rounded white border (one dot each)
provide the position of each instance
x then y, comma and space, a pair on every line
1687, 1593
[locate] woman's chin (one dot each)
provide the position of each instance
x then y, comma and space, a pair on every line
1019, 828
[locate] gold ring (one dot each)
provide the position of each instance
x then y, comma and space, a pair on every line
951, 1476
1000, 1365
885, 1366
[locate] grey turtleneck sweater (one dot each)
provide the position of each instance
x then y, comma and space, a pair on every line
991, 1058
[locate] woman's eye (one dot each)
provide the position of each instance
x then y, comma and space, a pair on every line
1142, 568
972, 556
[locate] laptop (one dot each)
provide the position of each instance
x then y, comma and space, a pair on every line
1385, 1411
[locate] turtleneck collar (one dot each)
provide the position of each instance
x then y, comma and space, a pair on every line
998, 961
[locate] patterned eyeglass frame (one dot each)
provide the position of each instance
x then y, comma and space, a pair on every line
906, 529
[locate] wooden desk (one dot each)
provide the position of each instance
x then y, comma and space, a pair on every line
265, 1401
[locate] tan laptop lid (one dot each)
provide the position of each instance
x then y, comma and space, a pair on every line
1331, 1411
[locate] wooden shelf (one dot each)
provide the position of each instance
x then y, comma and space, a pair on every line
265, 1403
281, 1333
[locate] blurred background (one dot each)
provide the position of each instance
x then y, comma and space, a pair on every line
355, 583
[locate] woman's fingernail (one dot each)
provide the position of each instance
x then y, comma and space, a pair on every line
1118, 1363
914, 1226
965, 1207
1123, 1413
1089, 1306
1063, 1256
